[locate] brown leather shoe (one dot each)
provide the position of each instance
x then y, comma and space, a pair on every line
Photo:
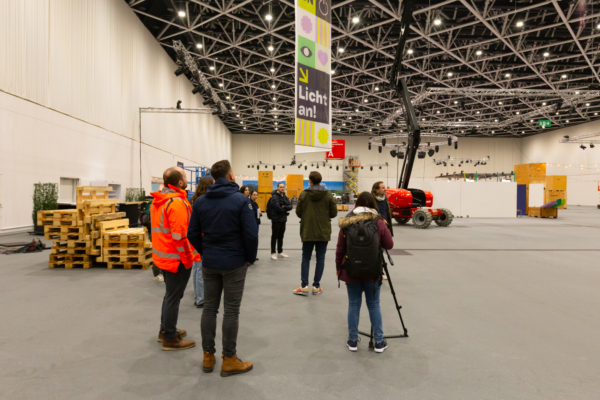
234, 366
208, 365
181, 333
177, 344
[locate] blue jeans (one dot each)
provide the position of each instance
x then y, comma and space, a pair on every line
198, 282
355, 291
307, 249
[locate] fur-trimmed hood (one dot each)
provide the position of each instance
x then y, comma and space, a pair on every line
353, 219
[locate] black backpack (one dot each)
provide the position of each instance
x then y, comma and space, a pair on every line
363, 257
270, 209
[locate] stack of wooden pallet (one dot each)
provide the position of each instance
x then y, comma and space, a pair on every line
127, 248
75, 233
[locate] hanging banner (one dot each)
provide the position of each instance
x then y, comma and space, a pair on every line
313, 76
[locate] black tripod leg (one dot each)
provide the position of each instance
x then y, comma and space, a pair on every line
398, 306
371, 344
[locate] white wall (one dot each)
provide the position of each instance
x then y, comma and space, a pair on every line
248, 149
73, 75
580, 166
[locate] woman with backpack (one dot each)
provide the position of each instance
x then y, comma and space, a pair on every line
198, 281
358, 261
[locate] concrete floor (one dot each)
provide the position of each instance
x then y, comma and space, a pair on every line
495, 309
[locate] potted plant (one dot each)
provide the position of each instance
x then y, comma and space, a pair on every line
45, 197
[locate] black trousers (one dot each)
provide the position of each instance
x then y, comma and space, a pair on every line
231, 285
277, 231
175, 282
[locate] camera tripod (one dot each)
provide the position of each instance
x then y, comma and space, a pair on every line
398, 306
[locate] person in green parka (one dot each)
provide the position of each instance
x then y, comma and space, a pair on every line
316, 207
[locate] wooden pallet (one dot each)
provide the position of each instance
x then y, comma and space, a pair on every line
124, 251
146, 257
57, 217
88, 208
126, 235
68, 265
94, 219
127, 265
138, 244
92, 193
108, 227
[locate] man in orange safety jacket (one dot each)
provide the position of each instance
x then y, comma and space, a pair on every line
172, 252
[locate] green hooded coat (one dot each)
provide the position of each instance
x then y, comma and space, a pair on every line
316, 206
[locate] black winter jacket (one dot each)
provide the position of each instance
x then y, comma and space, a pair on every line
223, 227
280, 205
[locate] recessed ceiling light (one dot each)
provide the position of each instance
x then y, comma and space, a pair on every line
520, 24
340, 50
437, 21
268, 17
355, 20
271, 48
274, 98
211, 68
409, 51
181, 14
522, 131
242, 122
274, 108
598, 26
199, 45
546, 54
479, 52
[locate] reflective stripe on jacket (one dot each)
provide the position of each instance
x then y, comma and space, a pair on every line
170, 215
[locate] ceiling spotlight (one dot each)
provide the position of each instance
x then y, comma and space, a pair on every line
355, 110
343, 124
371, 168
332, 71
587, 104
383, 141
499, 102
598, 26
377, 124
507, 75
244, 127
355, 20
233, 107
181, 14
564, 76
180, 70
196, 89
369, 131
227, 97
477, 112
376, 88
271, 48
450, 74
349, 117
594, 113
582, 147
479, 52
268, 17
274, 98
339, 129
366, 100
272, 86
455, 101
519, 24
437, 21
340, 50
220, 85
272, 69
409, 51
211, 68
199, 45
567, 121
380, 149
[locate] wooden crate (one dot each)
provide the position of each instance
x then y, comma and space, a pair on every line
92, 193
556, 182
530, 173
543, 212
294, 182
57, 218
263, 199
551, 195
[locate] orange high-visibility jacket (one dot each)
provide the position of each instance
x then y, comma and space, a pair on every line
170, 216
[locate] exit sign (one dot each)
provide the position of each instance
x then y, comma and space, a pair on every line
544, 123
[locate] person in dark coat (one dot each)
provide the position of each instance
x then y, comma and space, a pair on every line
280, 207
255, 208
223, 230
364, 211
382, 203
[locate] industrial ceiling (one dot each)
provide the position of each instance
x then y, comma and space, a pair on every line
246, 48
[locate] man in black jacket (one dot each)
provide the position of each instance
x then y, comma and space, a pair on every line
280, 205
223, 230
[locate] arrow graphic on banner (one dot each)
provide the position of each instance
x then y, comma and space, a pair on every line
304, 76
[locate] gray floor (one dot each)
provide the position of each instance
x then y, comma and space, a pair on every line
495, 309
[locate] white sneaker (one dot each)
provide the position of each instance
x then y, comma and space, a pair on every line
281, 255
159, 278
274, 256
